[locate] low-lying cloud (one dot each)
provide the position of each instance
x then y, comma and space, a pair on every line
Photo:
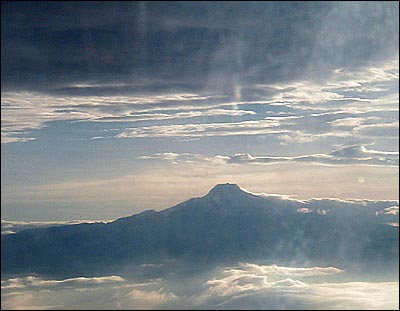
12, 226
245, 286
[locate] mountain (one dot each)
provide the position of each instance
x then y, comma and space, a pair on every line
226, 225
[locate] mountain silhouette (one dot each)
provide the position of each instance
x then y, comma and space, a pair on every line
226, 225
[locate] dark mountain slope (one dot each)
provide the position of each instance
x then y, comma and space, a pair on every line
227, 224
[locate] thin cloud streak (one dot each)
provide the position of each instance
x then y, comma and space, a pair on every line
347, 155
345, 95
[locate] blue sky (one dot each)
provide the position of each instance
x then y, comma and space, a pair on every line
112, 108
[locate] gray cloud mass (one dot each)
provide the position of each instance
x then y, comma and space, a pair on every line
245, 286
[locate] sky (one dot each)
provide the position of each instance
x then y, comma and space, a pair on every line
112, 108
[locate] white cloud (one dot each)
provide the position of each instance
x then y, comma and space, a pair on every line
349, 122
104, 292
25, 111
183, 157
304, 210
267, 126
252, 286
142, 299
33, 281
302, 137
11, 226
22, 301
391, 210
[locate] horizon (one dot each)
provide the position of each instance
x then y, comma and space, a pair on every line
152, 105
218, 185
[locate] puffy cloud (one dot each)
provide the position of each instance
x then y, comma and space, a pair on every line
141, 299
104, 292
252, 286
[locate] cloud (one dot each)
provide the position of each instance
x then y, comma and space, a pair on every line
305, 111
302, 137
351, 122
242, 286
183, 158
347, 155
11, 227
22, 301
22, 112
103, 292
150, 299
267, 126
252, 278
252, 286
392, 210
350, 155
219, 50
389, 215
32, 281
379, 130
342, 87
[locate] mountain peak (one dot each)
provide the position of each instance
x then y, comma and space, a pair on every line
226, 189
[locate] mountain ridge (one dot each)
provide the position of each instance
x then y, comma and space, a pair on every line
227, 223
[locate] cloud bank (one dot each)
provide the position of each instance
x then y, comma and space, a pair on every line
246, 286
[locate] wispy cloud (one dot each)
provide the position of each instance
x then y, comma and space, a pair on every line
33, 281
25, 111
268, 126
378, 130
304, 137
341, 106
347, 155
10, 226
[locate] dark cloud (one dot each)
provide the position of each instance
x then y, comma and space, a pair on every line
188, 45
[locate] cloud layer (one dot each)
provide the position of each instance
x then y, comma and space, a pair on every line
360, 104
11, 227
348, 155
201, 84
246, 286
